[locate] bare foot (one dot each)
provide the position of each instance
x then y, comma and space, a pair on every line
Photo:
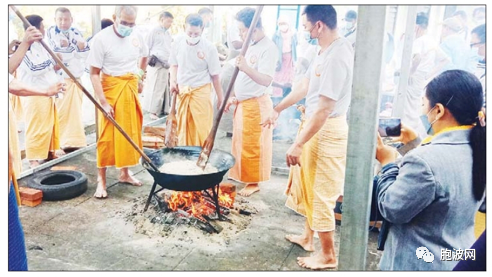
317, 261
130, 180
153, 116
301, 241
59, 153
55, 154
33, 163
101, 192
249, 189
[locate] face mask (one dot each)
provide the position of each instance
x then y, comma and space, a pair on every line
474, 53
124, 31
307, 37
193, 40
427, 124
283, 28
349, 25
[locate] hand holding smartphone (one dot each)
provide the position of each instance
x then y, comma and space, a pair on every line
389, 127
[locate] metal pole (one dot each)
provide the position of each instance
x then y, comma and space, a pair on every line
406, 61
361, 149
96, 27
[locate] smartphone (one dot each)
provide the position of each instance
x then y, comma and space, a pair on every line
389, 127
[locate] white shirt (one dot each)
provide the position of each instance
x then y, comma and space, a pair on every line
195, 63
331, 75
233, 35
116, 56
72, 57
262, 57
37, 69
427, 48
159, 41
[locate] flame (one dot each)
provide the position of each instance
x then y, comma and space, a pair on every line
195, 204
225, 199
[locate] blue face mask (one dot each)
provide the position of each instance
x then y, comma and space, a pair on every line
425, 120
124, 31
307, 37
427, 124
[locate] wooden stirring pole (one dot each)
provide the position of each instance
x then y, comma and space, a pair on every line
209, 142
91, 98
171, 138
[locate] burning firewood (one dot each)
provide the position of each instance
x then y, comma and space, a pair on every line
214, 225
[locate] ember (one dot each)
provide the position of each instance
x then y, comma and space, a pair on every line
199, 204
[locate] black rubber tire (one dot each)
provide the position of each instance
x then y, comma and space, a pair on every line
67, 184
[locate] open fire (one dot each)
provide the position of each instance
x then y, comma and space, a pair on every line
199, 204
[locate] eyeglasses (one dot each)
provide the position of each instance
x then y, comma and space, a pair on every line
475, 44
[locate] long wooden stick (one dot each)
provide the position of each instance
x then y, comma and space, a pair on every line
209, 142
91, 98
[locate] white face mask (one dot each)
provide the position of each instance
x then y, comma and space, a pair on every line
192, 40
283, 28
349, 25
474, 53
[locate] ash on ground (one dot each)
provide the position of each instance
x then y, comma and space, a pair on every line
181, 226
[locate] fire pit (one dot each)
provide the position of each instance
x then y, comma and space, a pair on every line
209, 183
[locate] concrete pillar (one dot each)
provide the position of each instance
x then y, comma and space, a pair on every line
96, 19
361, 148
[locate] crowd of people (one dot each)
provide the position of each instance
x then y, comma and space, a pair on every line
444, 175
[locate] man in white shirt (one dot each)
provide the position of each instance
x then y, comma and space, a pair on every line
317, 158
195, 67
350, 29
251, 144
18, 88
427, 61
40, 113
116, 80
73, 50
156, 93
455, 47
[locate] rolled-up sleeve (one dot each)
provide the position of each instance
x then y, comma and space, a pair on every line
404, 192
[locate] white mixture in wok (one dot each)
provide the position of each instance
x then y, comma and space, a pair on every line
187, 167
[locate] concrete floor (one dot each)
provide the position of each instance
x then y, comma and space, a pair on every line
85, 233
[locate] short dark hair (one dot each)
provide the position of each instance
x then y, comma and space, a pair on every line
106, 22
324, 13
478, 10
422, 20
204, 10
35, 21
480, 32
63, 10
194, 19
246, 17
166, 14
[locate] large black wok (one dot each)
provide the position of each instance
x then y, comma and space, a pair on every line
222, 160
